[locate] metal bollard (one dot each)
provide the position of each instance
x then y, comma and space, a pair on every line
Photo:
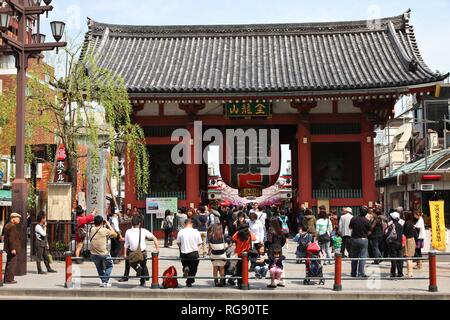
433, 275
245, 285
155, 272
337, 272
1, 268
68, 283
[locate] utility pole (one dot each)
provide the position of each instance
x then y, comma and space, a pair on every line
22, 47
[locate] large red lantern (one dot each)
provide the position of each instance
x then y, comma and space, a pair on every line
240, 170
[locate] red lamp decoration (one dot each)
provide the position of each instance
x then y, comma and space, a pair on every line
250, 179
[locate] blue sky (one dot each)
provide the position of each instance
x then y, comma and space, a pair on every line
430, 18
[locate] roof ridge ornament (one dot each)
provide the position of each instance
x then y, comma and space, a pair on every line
411, 64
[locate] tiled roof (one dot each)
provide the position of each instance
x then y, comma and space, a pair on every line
261, 58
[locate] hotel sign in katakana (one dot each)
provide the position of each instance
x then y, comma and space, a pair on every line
248, 110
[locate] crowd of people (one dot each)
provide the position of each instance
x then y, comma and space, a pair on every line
263, 234
223, 233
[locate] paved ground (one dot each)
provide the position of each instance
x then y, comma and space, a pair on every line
52, 285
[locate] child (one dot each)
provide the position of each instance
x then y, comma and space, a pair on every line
303, 239
260, 265
276, 268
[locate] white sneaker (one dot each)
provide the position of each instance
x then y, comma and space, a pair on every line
105, 285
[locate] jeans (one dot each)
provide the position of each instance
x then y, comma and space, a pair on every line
168, 239
396, 251
346, 245
326, 248
261, 271
191, 261
359, 250
375, 248
104, 266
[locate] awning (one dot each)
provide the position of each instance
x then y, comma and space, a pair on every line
5, 198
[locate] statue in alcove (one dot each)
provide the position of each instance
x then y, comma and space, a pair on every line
332, 170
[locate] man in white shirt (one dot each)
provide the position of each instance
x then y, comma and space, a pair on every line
42, 244
344, 229
135, 238
189, 241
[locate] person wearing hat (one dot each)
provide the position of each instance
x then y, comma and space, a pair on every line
394, 244
344, 230
12, 246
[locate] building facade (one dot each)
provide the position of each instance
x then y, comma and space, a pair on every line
326, 86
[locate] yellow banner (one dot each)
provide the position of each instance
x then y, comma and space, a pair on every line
438, 231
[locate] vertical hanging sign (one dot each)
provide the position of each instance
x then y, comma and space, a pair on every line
438, 230
61, 157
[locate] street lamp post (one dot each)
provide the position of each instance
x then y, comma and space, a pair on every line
23, 47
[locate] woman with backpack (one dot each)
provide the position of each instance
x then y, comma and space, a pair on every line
324, 227
394, 233
167, 226
303, 239
217, 252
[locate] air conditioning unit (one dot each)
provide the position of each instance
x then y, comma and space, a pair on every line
427, 187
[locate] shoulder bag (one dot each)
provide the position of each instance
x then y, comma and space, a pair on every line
136, 257
325, 238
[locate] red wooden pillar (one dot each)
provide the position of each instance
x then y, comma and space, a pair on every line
304, 163
192, 175
367, 162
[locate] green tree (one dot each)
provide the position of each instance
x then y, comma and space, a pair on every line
91, 107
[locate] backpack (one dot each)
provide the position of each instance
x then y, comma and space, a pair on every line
303, 241
168, 224
170, 281
391, 234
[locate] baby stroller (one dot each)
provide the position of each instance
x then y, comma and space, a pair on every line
314, 268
